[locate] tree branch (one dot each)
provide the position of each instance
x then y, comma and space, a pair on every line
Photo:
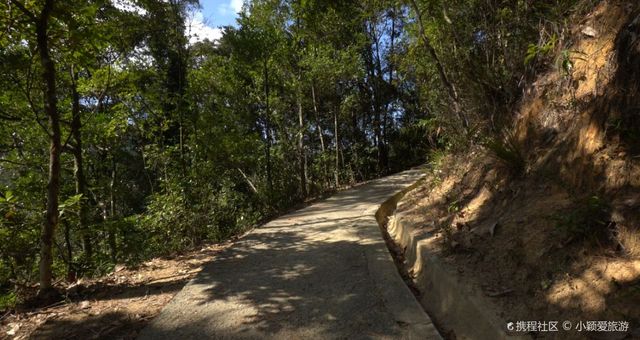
452, 91
4, 116
24, 10
246, 178
27, 95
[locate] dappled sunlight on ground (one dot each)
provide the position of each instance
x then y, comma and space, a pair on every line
118, 305
304, 274
590, 290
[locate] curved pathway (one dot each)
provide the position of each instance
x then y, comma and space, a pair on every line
322, 272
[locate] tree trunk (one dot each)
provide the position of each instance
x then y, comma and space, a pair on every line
111, 234
248, 180
315, 110
379, 99
452, 91
337, 170
81, 183
267, 127
71, 272
53, 183
301, 153
387, 119
325, 175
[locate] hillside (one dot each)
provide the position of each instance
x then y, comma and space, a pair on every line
546, 220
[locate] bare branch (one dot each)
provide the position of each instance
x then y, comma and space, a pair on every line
246, 178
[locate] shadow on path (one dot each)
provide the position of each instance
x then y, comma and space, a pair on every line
302, 275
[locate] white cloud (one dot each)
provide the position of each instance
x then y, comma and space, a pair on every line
236, 5
231, 8
198, 30
128, 6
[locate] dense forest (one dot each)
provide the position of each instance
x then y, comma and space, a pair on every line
121, 140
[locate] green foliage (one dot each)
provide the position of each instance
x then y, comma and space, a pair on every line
541, 50
8, 300
453, 207
170, 223
436, 157
565, 60
70, 204
17, 233
411, 145
183, 143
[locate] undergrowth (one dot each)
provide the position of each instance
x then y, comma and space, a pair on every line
507, 150
588, 220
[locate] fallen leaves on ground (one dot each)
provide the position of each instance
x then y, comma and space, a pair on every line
115, 306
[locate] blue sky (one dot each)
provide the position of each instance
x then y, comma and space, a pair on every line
204, 24
220, 12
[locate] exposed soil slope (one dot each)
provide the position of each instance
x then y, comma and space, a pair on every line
561, 238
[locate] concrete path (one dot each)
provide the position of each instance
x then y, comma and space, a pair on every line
322, 272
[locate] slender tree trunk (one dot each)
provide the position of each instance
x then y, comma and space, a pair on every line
392, 48
111, 234
248, 180
380, 97
387, 119
306, 172
317, 114
81, 183
53, 183
452, 91
325, 175
144, 167
267, 127
183, 161
71, 273
337, 169
302, 157
301, 153
378, 139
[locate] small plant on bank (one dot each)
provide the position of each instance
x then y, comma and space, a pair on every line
454, 207
508, 151
588, 220
541, 50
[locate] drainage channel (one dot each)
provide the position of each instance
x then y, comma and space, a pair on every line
386, 210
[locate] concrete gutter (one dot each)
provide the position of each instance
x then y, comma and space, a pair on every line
398, 298
454, 303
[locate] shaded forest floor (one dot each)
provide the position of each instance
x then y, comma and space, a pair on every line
116, 306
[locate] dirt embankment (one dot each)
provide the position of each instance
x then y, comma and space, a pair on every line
560, 239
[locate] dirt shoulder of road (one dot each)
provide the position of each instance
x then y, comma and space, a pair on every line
116, 306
